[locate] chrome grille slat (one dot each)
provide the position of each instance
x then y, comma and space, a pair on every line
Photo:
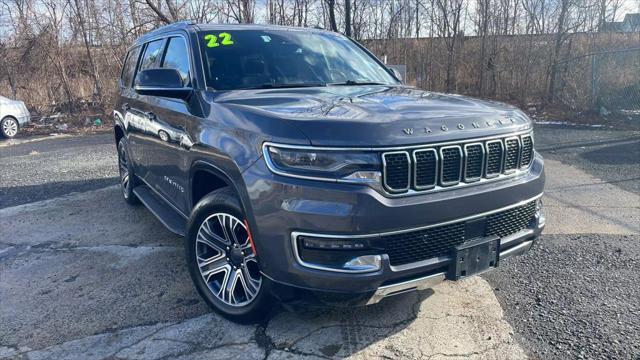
473, 162
441, 166
495, 158
450, 165
425, 169
512, 154
527, 151
397, 170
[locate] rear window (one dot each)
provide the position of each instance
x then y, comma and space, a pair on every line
129, 67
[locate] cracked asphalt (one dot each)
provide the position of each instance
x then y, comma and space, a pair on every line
84, 276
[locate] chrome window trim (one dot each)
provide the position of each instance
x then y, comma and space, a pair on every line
295, 234
151, 88
466, 162
415, 169
450, 183
506, 153
502, 156
524, 166
384, 172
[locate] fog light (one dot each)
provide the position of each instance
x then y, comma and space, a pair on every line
364, 263
347, 255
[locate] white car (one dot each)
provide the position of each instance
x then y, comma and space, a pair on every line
13, 115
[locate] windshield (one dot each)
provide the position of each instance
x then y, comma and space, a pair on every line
254, 59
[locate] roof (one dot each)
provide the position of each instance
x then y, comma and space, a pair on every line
630, 23
632, 19
188, 24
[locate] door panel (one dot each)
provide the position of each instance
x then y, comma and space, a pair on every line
165, 158
138, 109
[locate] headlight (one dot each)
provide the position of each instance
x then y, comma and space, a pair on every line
322, 164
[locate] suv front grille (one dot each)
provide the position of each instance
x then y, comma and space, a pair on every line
473, 162
447, 166
413, 246
426, 168
527, 151
451, 164
396, 171
510, 221
495, 156
512, 154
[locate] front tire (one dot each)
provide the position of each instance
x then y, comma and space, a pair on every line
222, 262
128, 180
9, 127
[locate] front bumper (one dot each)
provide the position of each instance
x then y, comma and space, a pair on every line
515, 245
281, 206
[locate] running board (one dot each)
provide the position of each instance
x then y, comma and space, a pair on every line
169, 217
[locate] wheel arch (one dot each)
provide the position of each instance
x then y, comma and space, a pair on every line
203, 171
118, 128
10, 116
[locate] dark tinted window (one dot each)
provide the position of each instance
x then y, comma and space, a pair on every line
177, 57
239, 59
152, 53
129, 67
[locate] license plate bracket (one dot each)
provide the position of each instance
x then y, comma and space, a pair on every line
474, 257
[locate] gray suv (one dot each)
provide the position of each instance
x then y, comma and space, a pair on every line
299, 168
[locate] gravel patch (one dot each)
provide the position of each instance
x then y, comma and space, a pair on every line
34, 171
611, 155
574, 296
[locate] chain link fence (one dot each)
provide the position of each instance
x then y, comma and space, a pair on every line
607, 83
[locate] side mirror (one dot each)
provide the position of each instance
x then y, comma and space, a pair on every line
161, 82
396, 73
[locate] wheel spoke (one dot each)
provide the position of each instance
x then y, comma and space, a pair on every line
212, 237
250, 285
125, 179
229, 289
222, 220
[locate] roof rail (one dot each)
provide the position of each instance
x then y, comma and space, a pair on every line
183, 24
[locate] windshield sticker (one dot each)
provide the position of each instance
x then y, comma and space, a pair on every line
266, 38
212, 40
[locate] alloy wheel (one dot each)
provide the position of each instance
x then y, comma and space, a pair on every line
227, 261
10, 127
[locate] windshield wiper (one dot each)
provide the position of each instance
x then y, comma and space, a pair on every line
354, 82
282, 86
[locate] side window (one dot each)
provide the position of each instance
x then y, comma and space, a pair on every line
177, 57
152, 54
129, 67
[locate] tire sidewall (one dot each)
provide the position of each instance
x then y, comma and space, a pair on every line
127, 193
209, 205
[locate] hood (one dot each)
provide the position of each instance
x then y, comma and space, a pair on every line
378, 115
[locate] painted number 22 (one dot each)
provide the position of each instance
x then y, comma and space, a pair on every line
212, 40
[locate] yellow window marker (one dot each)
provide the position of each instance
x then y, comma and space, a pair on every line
212, 40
